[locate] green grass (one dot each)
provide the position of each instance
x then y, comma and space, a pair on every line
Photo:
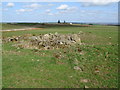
10, 26
27, 68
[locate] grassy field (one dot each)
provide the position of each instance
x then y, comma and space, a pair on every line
12, 26
97, 58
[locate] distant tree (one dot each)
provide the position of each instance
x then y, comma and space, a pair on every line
90, 24
42, 23
64, 21
58, 21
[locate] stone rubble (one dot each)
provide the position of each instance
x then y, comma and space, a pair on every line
45, 41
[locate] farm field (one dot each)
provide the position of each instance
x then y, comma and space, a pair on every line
96, 59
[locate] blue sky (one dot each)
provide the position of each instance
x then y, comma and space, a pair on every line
53, 11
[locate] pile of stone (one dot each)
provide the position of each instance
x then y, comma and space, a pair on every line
47, 41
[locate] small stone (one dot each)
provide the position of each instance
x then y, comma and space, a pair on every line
77, 68
47, 47
38, 60
70, 76
33, 38
18, 48
76, 61
80, 32
86, 86
84, 80
97, 71
61, 42
56, 33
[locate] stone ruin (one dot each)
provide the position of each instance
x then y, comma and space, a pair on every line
46, 41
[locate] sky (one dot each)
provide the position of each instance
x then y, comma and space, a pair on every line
53, 11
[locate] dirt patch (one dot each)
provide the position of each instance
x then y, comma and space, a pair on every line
11, 30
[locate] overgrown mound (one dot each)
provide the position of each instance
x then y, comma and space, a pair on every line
46, 41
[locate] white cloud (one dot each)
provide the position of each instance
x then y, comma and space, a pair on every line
34, 6
66, 9
98, 3
23, 10
10, 5
50, 14
28, 8
62, 7
48, 11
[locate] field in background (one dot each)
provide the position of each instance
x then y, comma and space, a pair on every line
97, 58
